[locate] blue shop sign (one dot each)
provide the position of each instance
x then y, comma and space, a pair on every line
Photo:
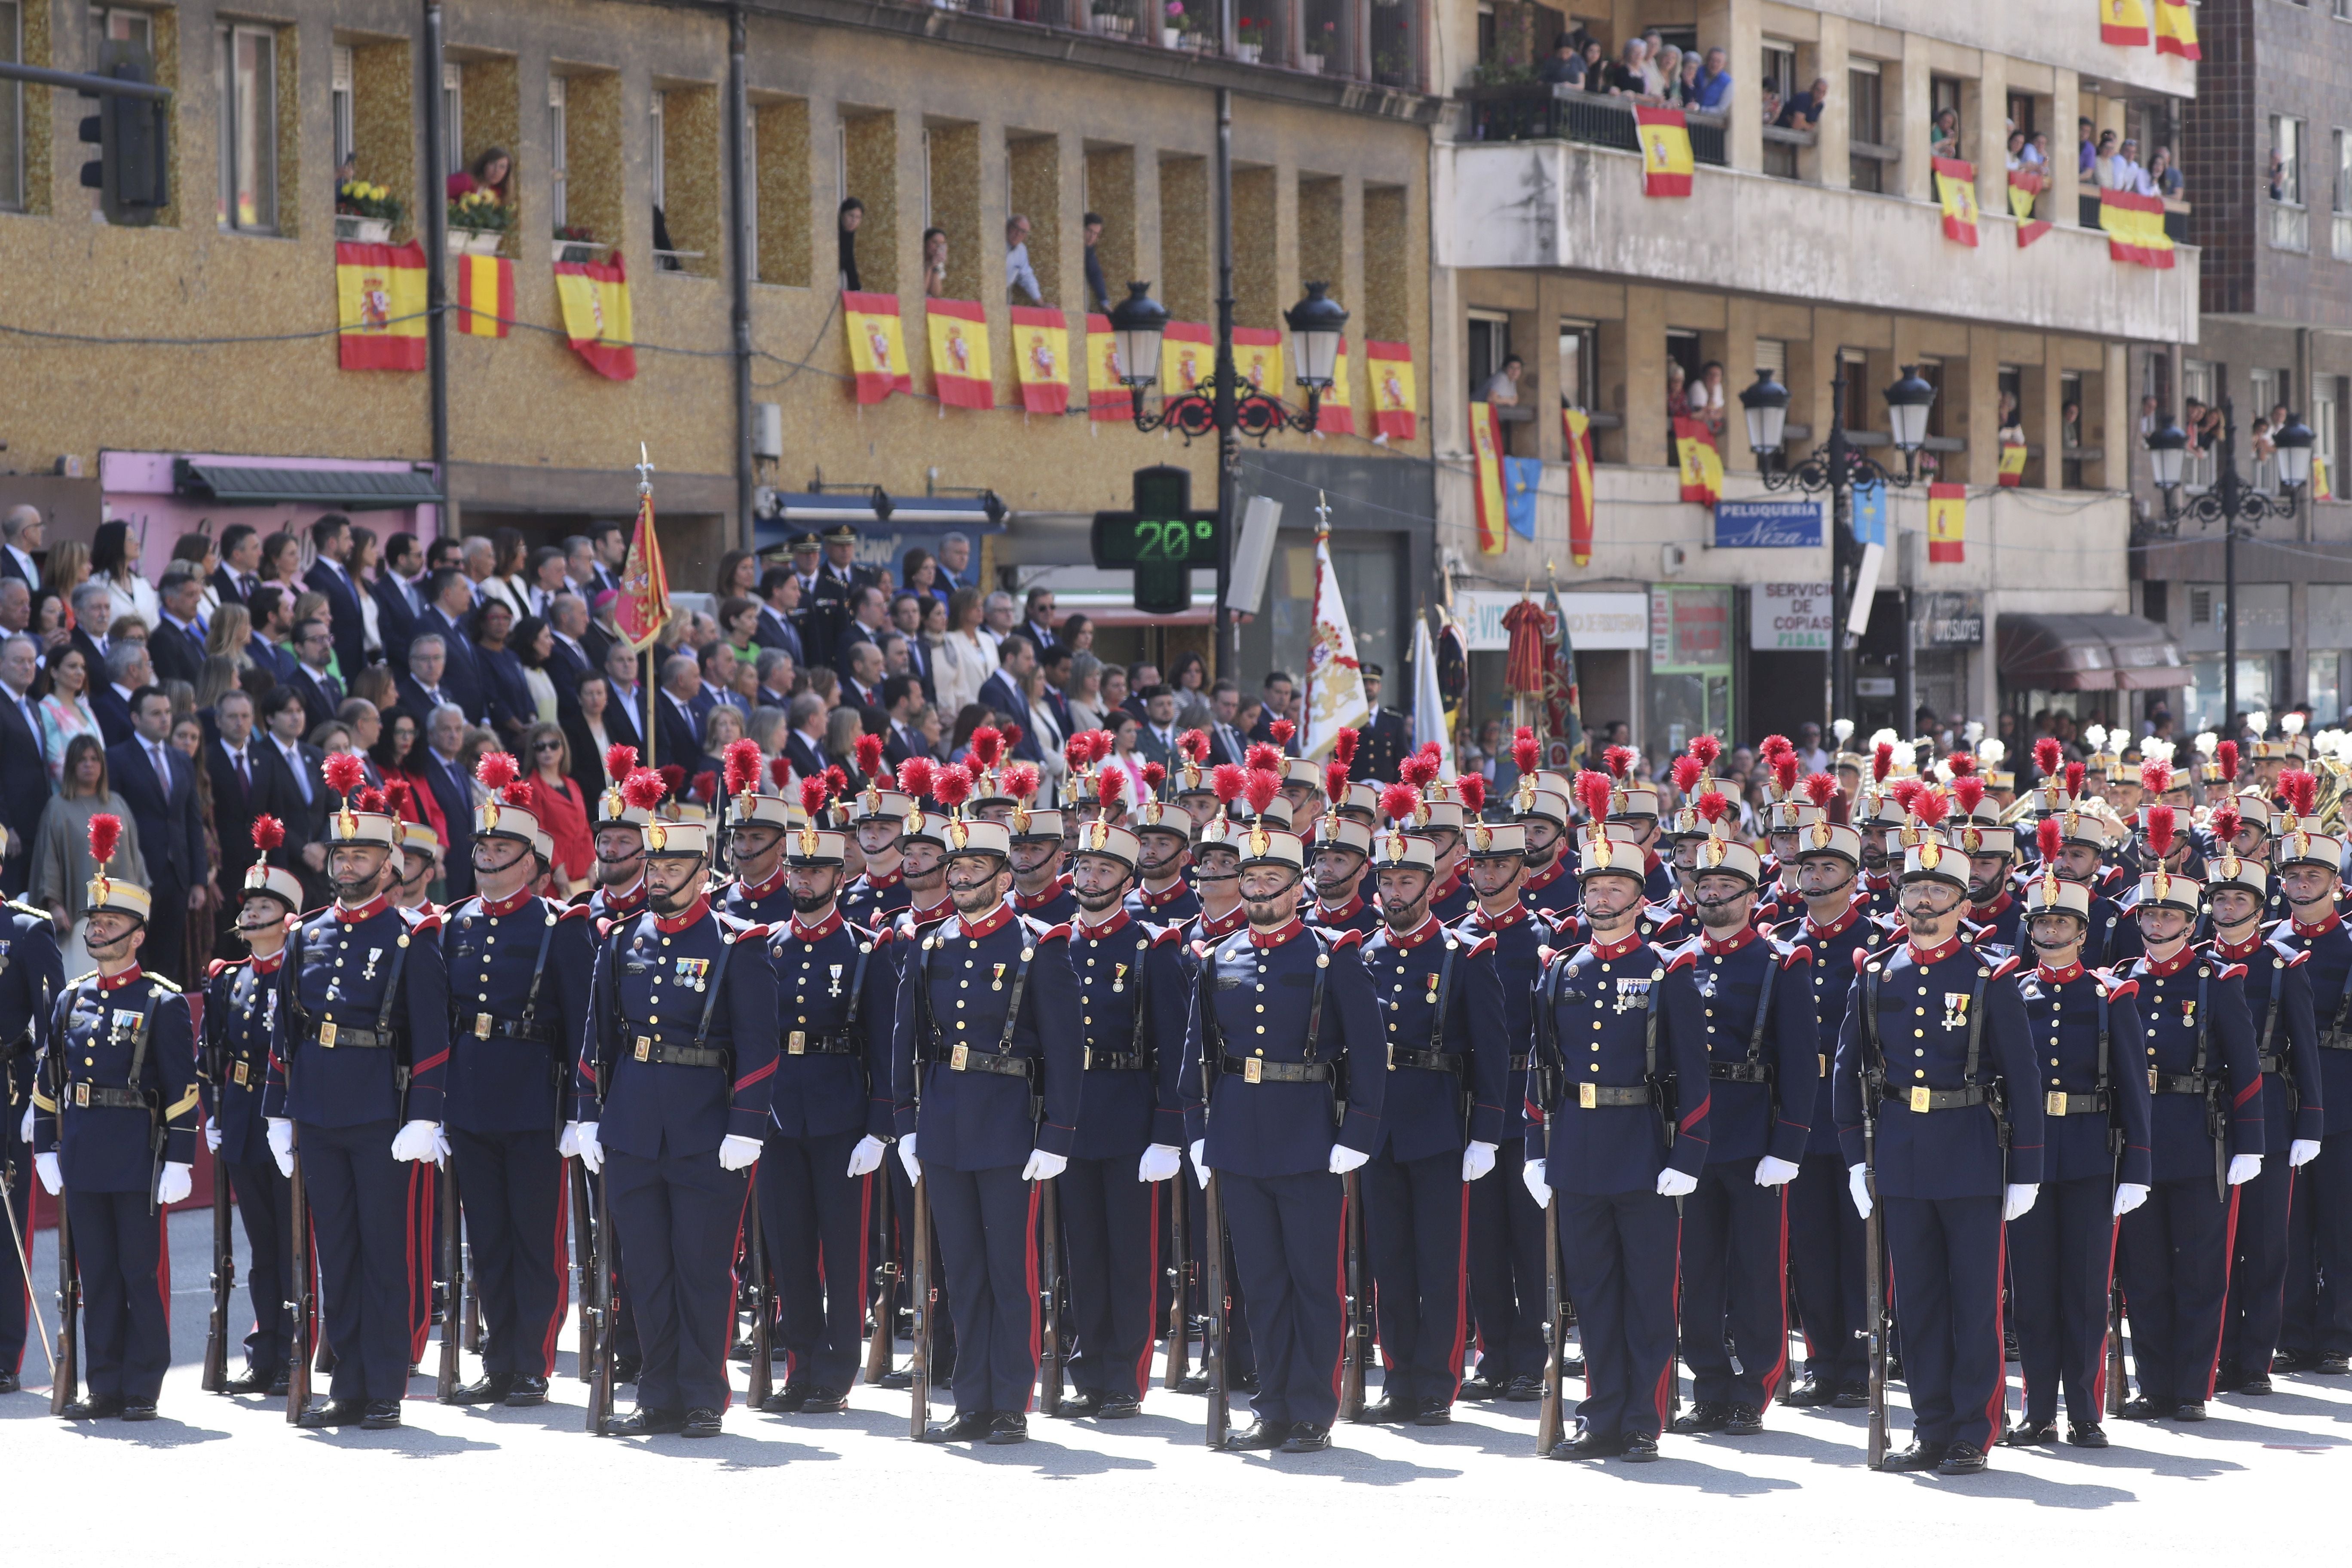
1759, 524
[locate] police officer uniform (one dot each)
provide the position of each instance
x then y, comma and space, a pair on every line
114, 1122
2317, 1331
32, 973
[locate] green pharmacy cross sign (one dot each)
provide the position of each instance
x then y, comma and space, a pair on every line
1163, 540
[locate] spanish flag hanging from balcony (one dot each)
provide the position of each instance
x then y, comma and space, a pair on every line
1701, 464
596, 300
1487, 477
1948, 524
2025, 188
1396, 402
2176, 30
1956, 192
485, 295
1257, 359
1336, 415
1576, 436
1108, 401
1666, 151
2320, 488
2012, 464
959, 370
380, 306
2135, 226
1041, 359
2123, 22
1187, 352
877, 344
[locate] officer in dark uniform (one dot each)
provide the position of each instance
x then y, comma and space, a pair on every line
674, 1087
759, 819
2207, 1131
1343, 849
2082, 843
1134, 995
825, 609
1744, 995
1449, 1054
519, 969
1216, 880
2088, 1047
32, 973
114, 1127
620, 887
1542, 813
1041, 886
1995, 908
1618, 1148
1161, 895
1284, 1086
828, 1121
878, 814
358, 1063
1385, 736
2317, 1334
1635, 804
241, 1000
1449, 805
1929, 1029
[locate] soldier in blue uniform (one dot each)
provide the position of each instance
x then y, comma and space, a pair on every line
828, 1121
1216, 879
1133, 994
2083, 842
1041, 886
1934, 1044
1164, 831
620, 887
1745, 994
1343, 849
1283, 1087
1446, 807
2088, 1047
519, 969
114, 1127
673, 1090
876, 817
1506, 1226
2317, 1331
240, 1011
758, 820
988, 1077
1625, 1104
420, 862
2286, 1046
1995, 910
1549, 887
32, 973
1634, 803
359, 1059
1441, 1006
2207, 1136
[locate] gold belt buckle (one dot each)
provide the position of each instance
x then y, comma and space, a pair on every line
2055, 1104
1588, 1096
481, 1026
958, 1057
81, 1095
1254, 1071
645, 1047
796, 1043
327, 1036
1919, 1098
1825, 1062
242, 1069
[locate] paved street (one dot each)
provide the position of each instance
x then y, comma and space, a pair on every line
499, 1484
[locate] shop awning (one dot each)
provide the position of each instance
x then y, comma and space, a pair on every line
2088, 653
352, 489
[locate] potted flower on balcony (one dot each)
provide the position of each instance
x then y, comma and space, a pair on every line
365, 212
1108, 19
1179, 29
1321, 42
573, 242
477, 222
1252, 34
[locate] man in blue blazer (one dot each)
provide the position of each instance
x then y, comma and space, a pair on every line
399, 596
159, 784
330, 537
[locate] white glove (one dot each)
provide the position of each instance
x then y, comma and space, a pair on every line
866, 1158
176, 1182
2018, 1198
52, 1178
24, 1132
1043, 1166
418, 1141
1532, 1173
737, 1153
2303, 1152
1774, 1172
1476, 1161
2129, 1196
212, 1137
1159, 1162
1673, 1184
1857, 1182
1344, 1158
282, 1145
568, 1146
1201, 1161
2245, 1168
906, 1158
592, 1149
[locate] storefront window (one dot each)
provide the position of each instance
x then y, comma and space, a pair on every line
2201, 700
1690, 667
2323, 686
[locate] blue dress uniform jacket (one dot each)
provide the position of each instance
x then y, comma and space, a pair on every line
518, 988
1553, 891
1172, 908
233, 1070
1135, 993
769, 903
1520, 935
1057, 906
833, 1070
117, 1094
2000, 923
871, 901
1825, 1233
31, 975
1762, 1049
1427, 1108
2319, 1319
341, 967
2329, 943
2286, 1044
1358, 914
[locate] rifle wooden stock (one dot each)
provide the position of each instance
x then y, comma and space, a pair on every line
758, 1381
2114, 1380
64, 1382
884, 1283
600, 1372
216, 1331
1359, 1308
1548, 1421
1212, 1342
1180, 1338
449, 1372
300, 1303
583, 1248
1049, 1356
1874, 1279
918, 1363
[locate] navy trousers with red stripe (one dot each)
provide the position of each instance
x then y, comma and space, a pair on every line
265, 1206
371, 1254
1414, 1232
2319, 1319
1240, 1354
2175, 1255
813, 1217
1285, 1234
1617, 1264
513, 1190
987, 1226
679, 1217
1735, 1286
2060, 1254
16, 1285
1825, 1255
2257, 1302
1947, 1256
125, 1267
1506, 1269
1110, 1253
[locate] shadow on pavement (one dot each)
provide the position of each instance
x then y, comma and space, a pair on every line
163, 1432
409, 1442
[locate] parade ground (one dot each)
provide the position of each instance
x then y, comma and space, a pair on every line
216, 1480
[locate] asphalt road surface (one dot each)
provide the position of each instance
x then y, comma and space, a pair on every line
216, 1480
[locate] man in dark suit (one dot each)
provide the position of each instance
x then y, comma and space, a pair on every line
238, 573
1227, 742
868, 615
716, 665
1280, 689
322, 693
120, 674
454, 792
330, 537
272, 609
1056, 661
907, 616
1002, 692
424, 686
675, 728
901, 698
1037, 617
399, 596
93, 611
1156, 741
159, 784
805, 741
625, 714
780, 608
22, 532
296, 789
23, 777
861, 683
247, 780
175, 644
610, 540
953, 566
567, 656
449, 602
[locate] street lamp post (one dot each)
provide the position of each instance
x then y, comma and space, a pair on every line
1839, 469
2238, 506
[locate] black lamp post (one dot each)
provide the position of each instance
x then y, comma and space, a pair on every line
2238, 506
1840, 469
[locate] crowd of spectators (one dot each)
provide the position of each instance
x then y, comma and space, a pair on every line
1647, 70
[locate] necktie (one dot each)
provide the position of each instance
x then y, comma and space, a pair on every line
243, 774
301, 774
244, 585
162, 769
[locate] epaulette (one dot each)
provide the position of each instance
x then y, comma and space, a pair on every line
580, 900
214, 968
570, 912
2116, 990
1163, 935
1861, 957
724, 920
1793, 953
1545, 954
1484, 944
2231, 971
80, 980
427, 922
1040, 931
1347, 939
1200, 949
28, 910
2002, 966
735, 930
1686, 954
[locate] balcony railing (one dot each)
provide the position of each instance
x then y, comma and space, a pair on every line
1531, 111
1344, 38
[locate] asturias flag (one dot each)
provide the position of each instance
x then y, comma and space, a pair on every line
2176, 30
2135, 226
959, 370
643, 607
380, 306
1701, 464
1665, 151
2123, 22
1955, 190
1486, 475
1947, 524
1041, 359
1395, 402
877, 344
596, 300
2025, 188
1576, 434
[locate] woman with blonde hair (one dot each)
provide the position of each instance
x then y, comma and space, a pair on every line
62, 866
228, 631
966, 656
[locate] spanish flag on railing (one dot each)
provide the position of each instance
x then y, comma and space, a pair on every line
1701, 464
1041, 359
2123, 22
961, 376
1576, 436
1948, 524
1666, 151
877, 344
1956, 191
2012, 464
1109, 400
2024, 187
1486, 474
485, 295
380, 306
1336, 415
2176, 30
1396, 403
2135, 226
1187, 352
596, 300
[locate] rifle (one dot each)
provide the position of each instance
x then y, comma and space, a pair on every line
1873, 1238
453, 1269
1548, 1419
919, 1361
1213, 1338
758, 1379
64, 1382
216, 1375
1049, 1367
1180, 1338
886, 1283
584, 1242
2115, 1342
1360, 1305
298, 1366
600, 1363
472, 1343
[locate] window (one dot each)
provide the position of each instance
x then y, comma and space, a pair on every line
452, 116
120, 25
2326, 409
1865, 115
2200, 381
12, 110
558, 151
2070, 430
1780, 67
2290, 221
1772, 355
2342, 224
346, 136
1855, 416
660, 153
1580, 364
1490, 345
248, 135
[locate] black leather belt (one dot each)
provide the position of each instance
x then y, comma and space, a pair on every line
2056, 1104
1602, 1097
1257, 1069
659, 1052
964, 1058
2176, 1083
2335, 1040
804, 1043
491, 1026
103, 1097
1434, 1061
2270, 1064
1519, 1063
343, 1037
1740, 1072
1924, 1099
1116, 1061
244, 1071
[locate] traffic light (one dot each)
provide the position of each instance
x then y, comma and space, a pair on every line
130, 134
1163, 540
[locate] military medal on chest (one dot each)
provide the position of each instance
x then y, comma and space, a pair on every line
1955, 1009
373, 954
835, 990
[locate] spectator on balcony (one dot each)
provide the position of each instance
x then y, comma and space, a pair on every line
2012, 429
2070, 425
1771, 104
935, 263
2128, 175
2037, 152
1502, 388
2194, 423
2103, 165
1686, 89
1668, 62
2148, 414
1677, 398
2086, 148
1566, 67
491, 171
1020, 277
1707, 399
1596, 64
2163, 176
2277, 178
2017, 151
1653, 71
1627, 77
2259, 439
1944, 134
1804, 112
1713, 90
1098, 291
853, 213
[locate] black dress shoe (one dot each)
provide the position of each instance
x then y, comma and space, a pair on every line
2256, 1386
898, 1378
1809, 1393
644, 1423
626, 1368
1193, 1383
2087, 1435
250, 1381
1895, 1369
138, 1412
281, 1384
1572, 1367
823, 1401
2141, 1409
1433, 1412
526, 1393
1707, 1415
8, 1382
2227, 1381
2290, 1361
2334, 1365
700, 1422
1962, 1459
1306, 1437
1078, 1407
1743, 1421
1260, 1435
2189, 1410
492, 1390
1481, 1387
1637, 1448
96, 1407
2026, 1433
380, 1415
1586, 1445
1008, 1427
1524, 1389
2008, 1351
1246, 1383
1120, 1407
1917, 1457
787, 1400
1852, 1396
1390, 1408
966, 1428
335, 1413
